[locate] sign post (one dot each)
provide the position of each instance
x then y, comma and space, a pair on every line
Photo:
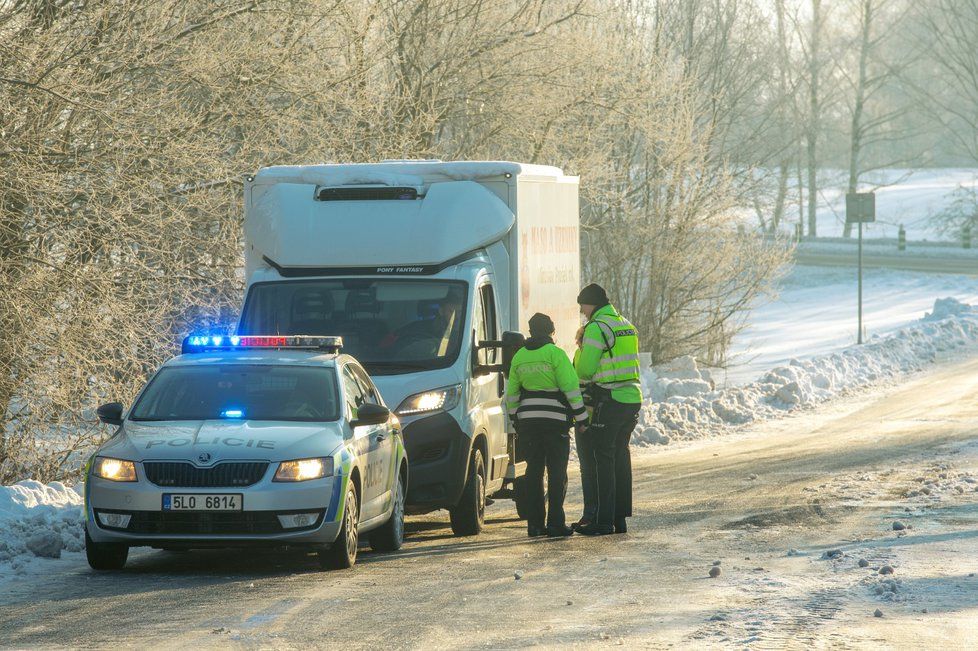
860, 209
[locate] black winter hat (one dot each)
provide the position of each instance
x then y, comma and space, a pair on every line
541, 325
593, 294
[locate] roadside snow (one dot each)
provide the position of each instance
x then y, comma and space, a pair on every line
684, 403
38, 520
815, 313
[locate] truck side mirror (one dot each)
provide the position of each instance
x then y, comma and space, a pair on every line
512, 342
110, 413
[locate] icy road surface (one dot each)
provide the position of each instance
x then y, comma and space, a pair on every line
789, 509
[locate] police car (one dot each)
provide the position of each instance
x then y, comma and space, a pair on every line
258, 440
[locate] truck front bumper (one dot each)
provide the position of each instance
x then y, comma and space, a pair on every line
438, 457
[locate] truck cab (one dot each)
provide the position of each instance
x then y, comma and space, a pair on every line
424, 269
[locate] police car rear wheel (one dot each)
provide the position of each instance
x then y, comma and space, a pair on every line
469, 514
342, 554
390, 536
105, 556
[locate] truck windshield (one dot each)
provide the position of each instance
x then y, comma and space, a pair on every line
389, 325
239, 392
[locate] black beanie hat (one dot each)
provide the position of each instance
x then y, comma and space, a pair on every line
541, 325
593, 294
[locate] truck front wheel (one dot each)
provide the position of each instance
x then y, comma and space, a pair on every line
469, 514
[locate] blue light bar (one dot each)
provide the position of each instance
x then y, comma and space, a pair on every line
207, 343
232, 413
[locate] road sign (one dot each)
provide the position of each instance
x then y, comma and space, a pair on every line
860, 207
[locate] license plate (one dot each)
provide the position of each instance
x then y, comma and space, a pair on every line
201, 502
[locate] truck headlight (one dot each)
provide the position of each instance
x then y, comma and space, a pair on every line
443, 399
114, 469
304, 469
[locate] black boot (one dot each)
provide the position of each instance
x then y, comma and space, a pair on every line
621, 526
594, 529
580, 523
534, 532
559, 532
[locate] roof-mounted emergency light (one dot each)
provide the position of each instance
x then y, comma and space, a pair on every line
208, 343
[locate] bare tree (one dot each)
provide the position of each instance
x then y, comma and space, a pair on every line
873, 112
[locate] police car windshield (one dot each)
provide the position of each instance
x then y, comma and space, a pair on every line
389, 325
239, 392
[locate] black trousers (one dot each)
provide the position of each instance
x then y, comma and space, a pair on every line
547, 446
610, 433
589, 475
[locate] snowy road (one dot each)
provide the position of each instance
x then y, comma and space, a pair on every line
949, 264
832, 479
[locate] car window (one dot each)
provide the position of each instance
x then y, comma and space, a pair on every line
353, 391
369, 390
489, 329
239, 391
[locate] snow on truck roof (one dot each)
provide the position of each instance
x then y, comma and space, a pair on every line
404, 173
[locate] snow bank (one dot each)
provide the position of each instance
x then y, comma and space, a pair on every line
684, 403
39, 520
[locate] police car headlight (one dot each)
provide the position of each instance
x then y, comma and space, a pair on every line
304, 469
443, 399
114, 469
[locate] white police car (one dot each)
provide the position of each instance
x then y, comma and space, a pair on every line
249, 441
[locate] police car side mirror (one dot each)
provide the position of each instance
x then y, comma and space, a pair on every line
110, 413
371, 414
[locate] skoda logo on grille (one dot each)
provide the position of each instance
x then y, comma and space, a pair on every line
204, 457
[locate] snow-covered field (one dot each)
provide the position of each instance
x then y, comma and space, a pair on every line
815, 313
908, 197
686, 405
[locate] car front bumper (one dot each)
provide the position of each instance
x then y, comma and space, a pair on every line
258, 521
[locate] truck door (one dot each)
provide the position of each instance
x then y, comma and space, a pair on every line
488, 389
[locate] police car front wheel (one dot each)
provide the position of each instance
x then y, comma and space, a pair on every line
342, 554
105, 556
390, 536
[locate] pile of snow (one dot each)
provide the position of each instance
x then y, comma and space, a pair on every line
949, 307
684, 403
39, 520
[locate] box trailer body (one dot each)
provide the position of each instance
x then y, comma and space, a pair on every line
416, 264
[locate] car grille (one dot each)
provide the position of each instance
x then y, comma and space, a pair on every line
223, 475
197, 523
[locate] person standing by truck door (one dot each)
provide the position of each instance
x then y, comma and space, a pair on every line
543, 398
608, 364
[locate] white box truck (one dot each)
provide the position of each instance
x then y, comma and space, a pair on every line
424, 268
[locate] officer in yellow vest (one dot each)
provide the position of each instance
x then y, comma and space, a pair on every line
608, 365
544, 399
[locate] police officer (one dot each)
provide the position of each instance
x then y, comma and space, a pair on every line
608, 365
543, 398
